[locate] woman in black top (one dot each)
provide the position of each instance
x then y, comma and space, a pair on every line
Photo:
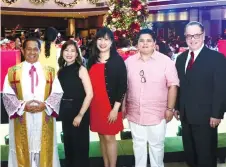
77, 96
109, 80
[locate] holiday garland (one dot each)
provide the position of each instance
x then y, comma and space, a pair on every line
38, 1
9, 2
62, 4
58, 2
93, 1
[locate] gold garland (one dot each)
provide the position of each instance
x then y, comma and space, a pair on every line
38, 1
66, 5
9, 2
93, 1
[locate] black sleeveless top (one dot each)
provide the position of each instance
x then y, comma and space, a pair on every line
74, 92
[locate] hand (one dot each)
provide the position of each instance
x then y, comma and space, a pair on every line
168, 115
177, 115
123, 114
112, 117
77, 120
214, 122
28, 106
40, 106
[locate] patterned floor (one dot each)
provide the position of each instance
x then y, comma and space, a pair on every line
184, 165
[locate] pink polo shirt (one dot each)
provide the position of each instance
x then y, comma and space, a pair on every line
146, 103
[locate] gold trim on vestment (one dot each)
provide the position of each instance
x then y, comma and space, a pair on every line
46, 155
20, 125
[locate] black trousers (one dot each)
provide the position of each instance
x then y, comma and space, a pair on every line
76, 144
200, 144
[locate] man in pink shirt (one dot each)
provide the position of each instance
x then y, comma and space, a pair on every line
150, 99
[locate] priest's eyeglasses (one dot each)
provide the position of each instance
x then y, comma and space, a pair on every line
143, 79
195, 36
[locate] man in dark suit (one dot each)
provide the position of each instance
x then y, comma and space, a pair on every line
202, 74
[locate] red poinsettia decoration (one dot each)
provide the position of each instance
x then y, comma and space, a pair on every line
116, 15
117, 34
135, 27
136, 5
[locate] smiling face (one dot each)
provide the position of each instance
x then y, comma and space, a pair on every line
31, 52
104, 44
146, 44
194, 37
70, 54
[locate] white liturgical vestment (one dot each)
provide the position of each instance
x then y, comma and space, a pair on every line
34, 120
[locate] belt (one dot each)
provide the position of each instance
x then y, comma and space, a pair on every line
67, 99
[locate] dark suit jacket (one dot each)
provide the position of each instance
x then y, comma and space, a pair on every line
202, 89
115, 78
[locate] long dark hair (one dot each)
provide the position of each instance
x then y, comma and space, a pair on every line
94, 54
50, 36
78, 59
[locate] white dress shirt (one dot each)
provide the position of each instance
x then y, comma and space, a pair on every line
196, 53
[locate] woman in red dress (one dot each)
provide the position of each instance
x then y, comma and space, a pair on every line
109, 80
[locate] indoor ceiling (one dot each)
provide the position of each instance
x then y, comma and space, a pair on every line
84, 13
176, 4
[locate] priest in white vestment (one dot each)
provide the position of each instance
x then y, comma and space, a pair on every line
31, 95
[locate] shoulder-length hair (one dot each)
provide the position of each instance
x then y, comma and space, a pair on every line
78, 59
94, 54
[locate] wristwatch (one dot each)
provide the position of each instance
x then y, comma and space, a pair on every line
170, 109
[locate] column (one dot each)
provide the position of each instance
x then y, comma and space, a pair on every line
216, 22
85, 33
224, 22
71, 27
86, 23
200, 16
194, 15
205, 17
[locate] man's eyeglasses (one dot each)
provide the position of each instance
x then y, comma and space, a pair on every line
195, 36
143, 79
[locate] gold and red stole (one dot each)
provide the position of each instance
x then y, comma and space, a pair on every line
20, 126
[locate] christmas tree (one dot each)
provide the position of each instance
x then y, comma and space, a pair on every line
126, 17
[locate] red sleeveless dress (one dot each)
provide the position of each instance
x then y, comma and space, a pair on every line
100, 106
